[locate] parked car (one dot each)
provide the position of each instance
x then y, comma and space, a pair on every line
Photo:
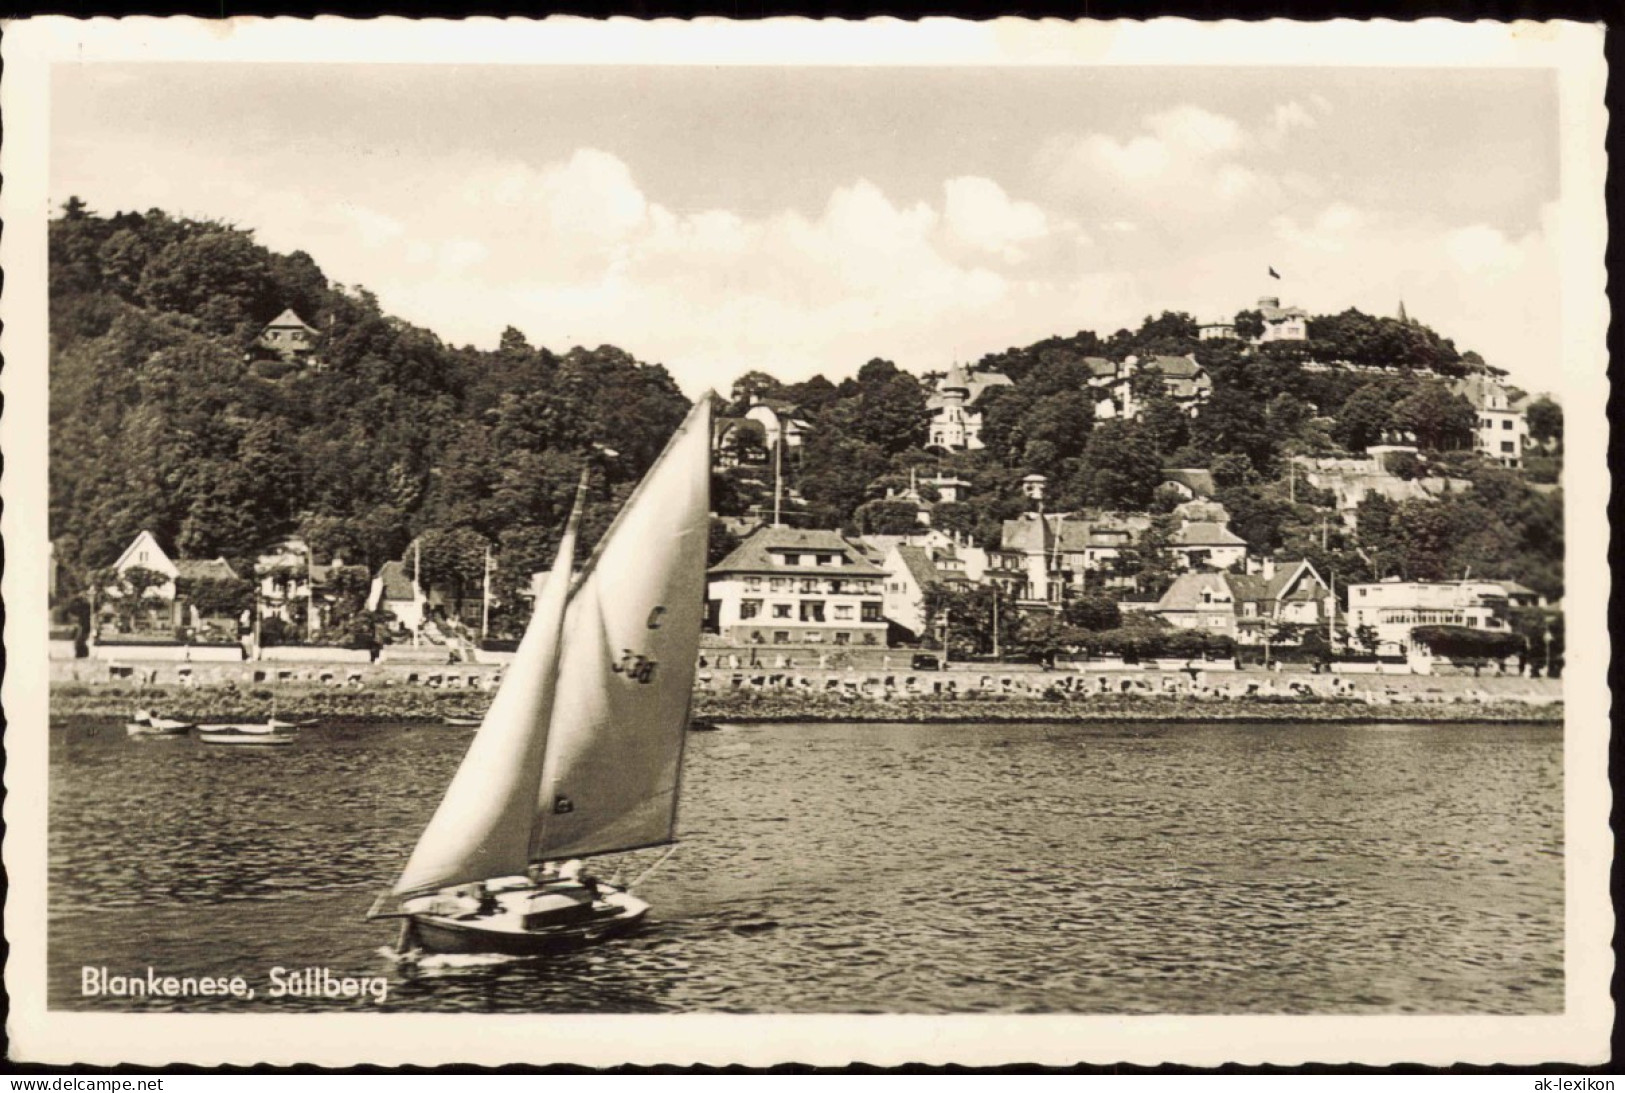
925, 662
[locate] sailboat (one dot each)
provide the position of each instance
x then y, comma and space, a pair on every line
580, 753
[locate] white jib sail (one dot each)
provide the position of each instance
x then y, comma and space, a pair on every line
482, 828
626, 674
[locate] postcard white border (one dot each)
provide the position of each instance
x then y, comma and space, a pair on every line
1579, 1035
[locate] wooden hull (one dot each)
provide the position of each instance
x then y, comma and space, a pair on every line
504, 931
137, 728
252, 738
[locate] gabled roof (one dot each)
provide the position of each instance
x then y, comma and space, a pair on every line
1482, 391
1203, 533
200, 569
1276, 314
145, 539
918, 563
1100, 367
290, 318
756, 554
1175, 367
397, 583
1288, 583
1185, 594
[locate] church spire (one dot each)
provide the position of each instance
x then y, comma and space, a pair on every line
1404, 318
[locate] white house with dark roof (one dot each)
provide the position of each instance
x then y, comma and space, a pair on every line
1247, 607
1282, 324
1184, 380
144, 552
954, 425
910, 571
1502, 431
1059, 550
288, 336
1204, 543
794, 586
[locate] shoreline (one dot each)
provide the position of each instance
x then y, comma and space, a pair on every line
424, 705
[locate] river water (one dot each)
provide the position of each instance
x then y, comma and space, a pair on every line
869, 868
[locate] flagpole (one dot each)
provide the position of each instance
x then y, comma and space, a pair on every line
485, 597
417, 587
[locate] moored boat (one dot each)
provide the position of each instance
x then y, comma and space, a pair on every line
145, 723
248, 734
580, 752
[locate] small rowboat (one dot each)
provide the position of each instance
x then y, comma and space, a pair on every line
464, 722
263, 736
145, 724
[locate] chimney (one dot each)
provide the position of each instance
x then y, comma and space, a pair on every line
1269, 301
1269, 568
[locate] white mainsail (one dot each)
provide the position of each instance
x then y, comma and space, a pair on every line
626, 672
482, 828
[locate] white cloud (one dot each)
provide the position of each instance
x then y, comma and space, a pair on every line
1197, 131
1180, 168
979, 213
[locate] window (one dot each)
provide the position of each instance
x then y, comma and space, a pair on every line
809, 585
749, 609
1506, 423
780, 584
1508, 446
791, 559
812, 610
871, 612
756, 637
781, 637
753, 584
781, 610
835, 588
843, 638
843, 612
869, 639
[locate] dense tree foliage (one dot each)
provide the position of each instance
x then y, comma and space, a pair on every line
160, 421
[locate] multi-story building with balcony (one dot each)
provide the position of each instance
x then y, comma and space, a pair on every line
789, 586
1393, 608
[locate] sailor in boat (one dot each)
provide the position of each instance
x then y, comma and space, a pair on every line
580, 751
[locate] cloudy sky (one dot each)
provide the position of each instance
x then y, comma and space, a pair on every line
803, 220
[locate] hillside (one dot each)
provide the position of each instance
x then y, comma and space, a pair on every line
166, 415
169, 413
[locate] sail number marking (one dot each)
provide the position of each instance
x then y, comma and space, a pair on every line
636, 667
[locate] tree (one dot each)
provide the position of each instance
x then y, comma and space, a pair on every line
216, 597
1545, 419
1092, 612
887, 517
1232, 469
1249, 324
751, 388
1364, 418
1437, 418
1120, 468
453, 561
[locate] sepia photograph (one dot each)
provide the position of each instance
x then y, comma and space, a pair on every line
765, 542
